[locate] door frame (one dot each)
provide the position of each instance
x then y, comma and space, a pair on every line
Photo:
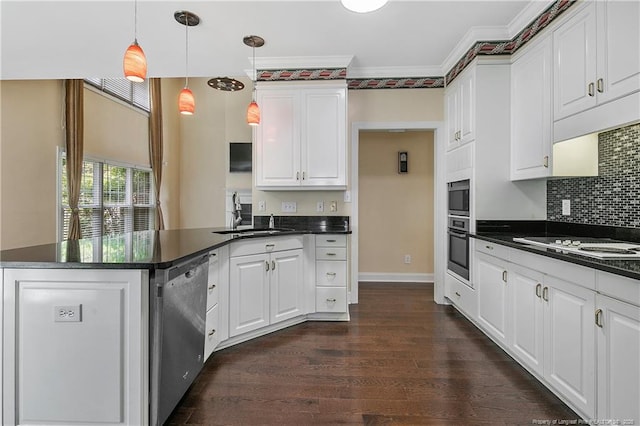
439, 139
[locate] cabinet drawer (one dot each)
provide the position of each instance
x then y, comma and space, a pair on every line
331, 253
265, 245
331, 240
212, 292
461, 295
618, 287
492, 249
331, 299
330, 273
211, 336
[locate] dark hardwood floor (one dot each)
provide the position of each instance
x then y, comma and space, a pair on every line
401, 360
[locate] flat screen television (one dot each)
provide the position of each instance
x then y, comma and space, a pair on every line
239, 157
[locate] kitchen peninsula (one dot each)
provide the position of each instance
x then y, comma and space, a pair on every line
115, 329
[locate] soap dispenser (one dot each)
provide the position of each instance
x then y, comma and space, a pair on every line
271, 224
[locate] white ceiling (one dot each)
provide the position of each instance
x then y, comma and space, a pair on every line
77, 39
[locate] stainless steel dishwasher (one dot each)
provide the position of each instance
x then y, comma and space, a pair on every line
178, 308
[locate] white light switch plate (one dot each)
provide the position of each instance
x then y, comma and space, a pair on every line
262, 206
320, 206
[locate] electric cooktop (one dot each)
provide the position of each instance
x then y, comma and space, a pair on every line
600, 248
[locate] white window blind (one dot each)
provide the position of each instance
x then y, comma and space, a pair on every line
114, 199
136, 94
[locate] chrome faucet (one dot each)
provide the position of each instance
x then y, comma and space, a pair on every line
236, 217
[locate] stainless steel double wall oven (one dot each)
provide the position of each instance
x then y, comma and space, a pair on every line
458, 228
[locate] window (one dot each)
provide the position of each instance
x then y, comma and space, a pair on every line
136, 94
114, 199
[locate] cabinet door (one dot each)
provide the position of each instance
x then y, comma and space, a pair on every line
278, 138
248, 293
286, 285
467, 113
618, 338
531, 113
527, 319
212, 335
323, 144
451, 102
570, 342
491, 277
574, 45
618, 49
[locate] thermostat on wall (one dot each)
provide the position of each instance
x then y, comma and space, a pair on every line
403, 162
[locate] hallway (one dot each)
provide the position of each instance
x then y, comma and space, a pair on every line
401, 360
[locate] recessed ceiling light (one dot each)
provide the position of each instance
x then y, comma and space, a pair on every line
363, 6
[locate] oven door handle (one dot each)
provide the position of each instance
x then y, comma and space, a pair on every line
459, 234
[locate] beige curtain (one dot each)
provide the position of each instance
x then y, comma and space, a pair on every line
74, 129
155, 143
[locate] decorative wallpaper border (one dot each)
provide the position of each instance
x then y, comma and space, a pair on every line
480, 48
509, 47
302, 74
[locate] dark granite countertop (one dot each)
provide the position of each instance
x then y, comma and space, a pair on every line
138, 250
503, 232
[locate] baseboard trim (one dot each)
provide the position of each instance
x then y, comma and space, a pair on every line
395, 277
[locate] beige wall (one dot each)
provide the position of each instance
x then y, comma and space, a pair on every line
171, 164
396, 210
31, 132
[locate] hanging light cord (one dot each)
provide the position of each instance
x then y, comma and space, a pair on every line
135, 21
255, 73
186, 47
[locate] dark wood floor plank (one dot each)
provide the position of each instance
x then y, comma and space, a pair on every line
401, 360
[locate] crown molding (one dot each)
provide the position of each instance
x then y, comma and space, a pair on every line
469, 40
393, 72
532, 10
302, 62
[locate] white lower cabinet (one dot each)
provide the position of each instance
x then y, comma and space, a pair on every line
216, 285
491, 279
618, 341
331, 274
569, 342
75, 347
265, 283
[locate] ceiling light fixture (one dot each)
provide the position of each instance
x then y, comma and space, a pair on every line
135, 63
186, 100
226, 84
253, 111
363, 6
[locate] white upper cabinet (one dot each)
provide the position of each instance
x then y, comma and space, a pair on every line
531, 116
301, 140
460, 107
597, 56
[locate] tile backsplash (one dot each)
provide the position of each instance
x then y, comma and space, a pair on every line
613, 197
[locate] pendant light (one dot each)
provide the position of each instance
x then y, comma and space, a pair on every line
135, 63
253, 111
186, 100
363, 6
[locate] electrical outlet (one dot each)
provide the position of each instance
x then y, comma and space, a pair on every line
566, 207
407, 258
320, 206
71, 313
334, 206
289, 207
262, 206
347, 196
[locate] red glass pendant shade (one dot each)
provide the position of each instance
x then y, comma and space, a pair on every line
135, 63
253, 114
186, 102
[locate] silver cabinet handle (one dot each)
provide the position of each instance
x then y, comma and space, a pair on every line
331, 274
273, 265
269, 247
545, 161
212, 255
504, 276
331, 241
212, 286
591, 88
600, 85
212, 332
457, 294
189, 274
303, 176
331, 300
489, 247
599, 317
297, 175
331, 254
545, 294
539, 290
266, 263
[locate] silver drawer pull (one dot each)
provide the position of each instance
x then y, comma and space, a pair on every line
189, 274
266, 264
489, 247
273, 265
212, 286
213, 254
331, 274
331, 254
457, 294
331, 241
331, 300
212, 332
269, 246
